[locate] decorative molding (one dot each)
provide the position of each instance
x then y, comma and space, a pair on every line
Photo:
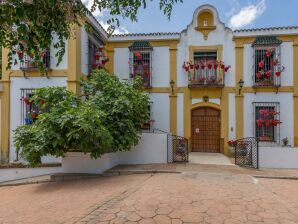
205, 30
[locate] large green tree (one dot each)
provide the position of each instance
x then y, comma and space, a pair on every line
26, 26
107, 118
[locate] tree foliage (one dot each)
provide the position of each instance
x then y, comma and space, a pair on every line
108, 118
27, 26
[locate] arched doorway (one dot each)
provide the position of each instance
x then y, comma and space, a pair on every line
205, 130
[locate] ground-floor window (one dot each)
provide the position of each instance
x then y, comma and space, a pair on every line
148, 126
266, 121
30, 110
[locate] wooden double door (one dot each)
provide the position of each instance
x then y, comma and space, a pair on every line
205, 130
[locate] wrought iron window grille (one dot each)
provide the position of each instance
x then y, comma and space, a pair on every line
140, 62
266, 117
28, 64
207, 72
149, 126
96, 56
266, 62
29, 108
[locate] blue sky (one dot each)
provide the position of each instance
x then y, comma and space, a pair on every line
234, 13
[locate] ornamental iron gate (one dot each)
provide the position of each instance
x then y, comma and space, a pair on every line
247, 152
177, 149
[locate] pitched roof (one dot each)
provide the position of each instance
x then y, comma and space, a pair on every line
146, 34
266, 29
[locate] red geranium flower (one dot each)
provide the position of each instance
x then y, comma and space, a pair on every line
209, 66
278, 73
259, 122
226, 69
261, 64
268, 53
197, 66
258, 75
21, 54
268, 73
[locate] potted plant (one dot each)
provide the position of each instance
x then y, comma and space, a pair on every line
232, 145
285, 142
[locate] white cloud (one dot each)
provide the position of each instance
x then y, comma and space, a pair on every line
101, 17
247, 15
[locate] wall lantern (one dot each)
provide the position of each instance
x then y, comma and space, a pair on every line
172, 84
241, 83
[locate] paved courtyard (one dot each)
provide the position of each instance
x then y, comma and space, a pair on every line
190, 197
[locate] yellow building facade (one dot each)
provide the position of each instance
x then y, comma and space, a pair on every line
206, 83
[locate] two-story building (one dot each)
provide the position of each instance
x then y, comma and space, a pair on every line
206, 83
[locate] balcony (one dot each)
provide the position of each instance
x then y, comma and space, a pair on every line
206, 74
28, 63
212, 78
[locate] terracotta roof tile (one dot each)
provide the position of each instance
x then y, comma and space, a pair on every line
266, 29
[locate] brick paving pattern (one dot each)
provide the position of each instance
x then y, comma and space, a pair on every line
190, 197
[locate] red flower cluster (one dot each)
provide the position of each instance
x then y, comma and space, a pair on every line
100, 60
189, 66
267, 118
232, 143
268, 73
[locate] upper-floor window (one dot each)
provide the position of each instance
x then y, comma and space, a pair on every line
29, 63
267, 121
267, 66
141, 61
96, 57
207, 68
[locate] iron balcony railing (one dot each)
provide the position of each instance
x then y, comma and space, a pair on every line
28, 63
207, 77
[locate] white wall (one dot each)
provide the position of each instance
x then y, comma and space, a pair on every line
160, 67
161, 110
121, 63
84, 51
232, 116
286, 112
287, 61
22, 173
180, 114
152, 148
278, 157
17, 83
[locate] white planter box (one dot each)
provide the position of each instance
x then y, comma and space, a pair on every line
278, 157
152, 148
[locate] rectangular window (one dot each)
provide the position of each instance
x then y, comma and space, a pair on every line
28, 63
141, 66
30, 110
148, 126
207, 68
140, 61
266, 65
266, 121
96, 57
